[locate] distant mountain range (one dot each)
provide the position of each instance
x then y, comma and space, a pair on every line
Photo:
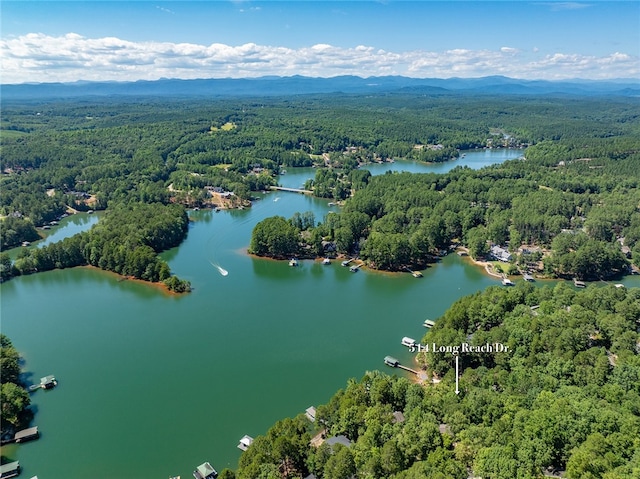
299, 85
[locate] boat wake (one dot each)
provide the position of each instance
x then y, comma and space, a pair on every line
220, 269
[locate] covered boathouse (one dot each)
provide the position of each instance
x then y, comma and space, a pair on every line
205, 471
11, 469
27, 434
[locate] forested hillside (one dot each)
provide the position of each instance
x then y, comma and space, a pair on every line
564, 397
575, 195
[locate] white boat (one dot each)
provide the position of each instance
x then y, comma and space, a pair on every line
428, 323
507, 282
293, 262
326, 261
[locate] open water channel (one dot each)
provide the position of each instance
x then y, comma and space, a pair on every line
152, 385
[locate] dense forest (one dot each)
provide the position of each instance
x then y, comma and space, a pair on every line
574, 208
14, 398
574, 197
564, 398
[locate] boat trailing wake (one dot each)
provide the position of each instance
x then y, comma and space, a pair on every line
220, 269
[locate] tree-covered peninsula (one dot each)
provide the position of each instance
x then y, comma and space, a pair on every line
566, 209
126, 241
561, 397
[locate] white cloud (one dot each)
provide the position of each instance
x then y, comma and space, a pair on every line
42, 58
559, 6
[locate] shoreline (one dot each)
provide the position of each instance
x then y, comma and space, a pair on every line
488, 267
120, 278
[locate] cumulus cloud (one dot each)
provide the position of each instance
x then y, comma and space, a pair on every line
42, 58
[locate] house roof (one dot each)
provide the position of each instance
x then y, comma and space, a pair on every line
339, 440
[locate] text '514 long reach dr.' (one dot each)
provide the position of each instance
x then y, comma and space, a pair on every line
461, 348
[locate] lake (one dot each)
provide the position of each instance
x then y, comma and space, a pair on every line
152, 385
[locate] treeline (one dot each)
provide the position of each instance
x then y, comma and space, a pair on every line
14, 398
14, 231
98, 155
563, 398
130, 151
126, 240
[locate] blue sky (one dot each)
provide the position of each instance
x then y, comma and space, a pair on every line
122, 40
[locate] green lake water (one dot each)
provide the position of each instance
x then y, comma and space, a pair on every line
151, 385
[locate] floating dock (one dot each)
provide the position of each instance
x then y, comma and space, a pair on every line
47, 382
245, 442
11, 469
394, 363
408, 342
310, 412
579, 284
391, 361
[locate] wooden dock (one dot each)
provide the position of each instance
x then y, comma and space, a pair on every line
407, 369
394, 363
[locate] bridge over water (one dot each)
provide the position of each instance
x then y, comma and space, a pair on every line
293, 190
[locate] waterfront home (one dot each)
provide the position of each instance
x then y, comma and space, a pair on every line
205, 471
344, 440
500, 254
11, 469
